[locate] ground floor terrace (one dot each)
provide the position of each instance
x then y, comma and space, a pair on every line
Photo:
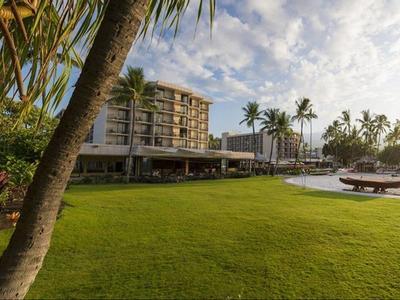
97, 160
220, 239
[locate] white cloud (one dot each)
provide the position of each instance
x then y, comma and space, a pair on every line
341, 54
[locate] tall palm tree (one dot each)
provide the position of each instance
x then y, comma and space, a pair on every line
303, 105
367, 128
345, 119
251, 115
283, 130
311, 115
333, 134
269, 123
23, 257
132, 88
214, 143
382, 124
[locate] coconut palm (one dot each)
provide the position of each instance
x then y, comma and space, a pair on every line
394, 134
122, 21
382, 124
132, 88
345, 119
311, 115
303, 105
269, 123
333, 134
251, 115
367, 128
214, 143
283, 130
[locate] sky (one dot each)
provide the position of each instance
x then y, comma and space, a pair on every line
340, 54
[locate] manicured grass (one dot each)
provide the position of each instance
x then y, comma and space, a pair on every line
255, 237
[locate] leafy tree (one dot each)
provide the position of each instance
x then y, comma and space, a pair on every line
251, 115
390, 155
303, 105
393, 136
132, 88
214, 143
23, 257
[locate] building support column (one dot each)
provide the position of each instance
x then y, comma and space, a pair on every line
186, 167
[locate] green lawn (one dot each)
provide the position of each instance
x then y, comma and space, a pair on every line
246, 238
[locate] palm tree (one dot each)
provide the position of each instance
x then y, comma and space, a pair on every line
214, 143
345, 119
367, 128
310, 116
394, 134
23, 257
333, 134
283, 130
132, 88
251, 115
269, 123
303, 105
382, 124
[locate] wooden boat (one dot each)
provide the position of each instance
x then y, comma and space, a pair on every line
379, 185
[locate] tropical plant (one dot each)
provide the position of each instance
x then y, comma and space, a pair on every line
393, 136
132, 88
390, 155
345, 119
367, 129
214, 143
310, 116
303, 105
270, 123
283, 130
382, 124
23, 257
251, 115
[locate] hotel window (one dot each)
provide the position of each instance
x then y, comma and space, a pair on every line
169, 94
185, 98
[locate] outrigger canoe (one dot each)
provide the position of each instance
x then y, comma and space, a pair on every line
379, 185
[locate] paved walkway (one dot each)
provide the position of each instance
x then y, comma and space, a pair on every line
332, 183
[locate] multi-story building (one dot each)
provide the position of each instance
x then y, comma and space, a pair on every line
263, 143
180, 120
171, 139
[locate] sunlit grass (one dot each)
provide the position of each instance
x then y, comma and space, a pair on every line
255, 237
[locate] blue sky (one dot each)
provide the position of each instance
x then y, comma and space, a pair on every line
340, 54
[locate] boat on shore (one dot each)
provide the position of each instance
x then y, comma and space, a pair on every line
378, 185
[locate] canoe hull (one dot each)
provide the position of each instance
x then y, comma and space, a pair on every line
371, 183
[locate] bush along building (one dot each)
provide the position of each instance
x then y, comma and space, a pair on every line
169, 140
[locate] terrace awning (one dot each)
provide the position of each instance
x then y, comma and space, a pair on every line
166, 152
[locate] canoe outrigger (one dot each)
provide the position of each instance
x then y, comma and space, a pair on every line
379, 185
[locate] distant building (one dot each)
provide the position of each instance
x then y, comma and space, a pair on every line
244, 143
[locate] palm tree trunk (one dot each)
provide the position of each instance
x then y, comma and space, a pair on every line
129, 165
270, 154
23, 257
298, 147
254, 148
277, 157
310, 139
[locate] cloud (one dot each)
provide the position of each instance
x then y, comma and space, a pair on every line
340, 54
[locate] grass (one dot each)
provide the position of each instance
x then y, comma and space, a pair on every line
248, 238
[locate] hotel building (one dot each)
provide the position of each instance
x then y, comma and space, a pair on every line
174, 137
245, 143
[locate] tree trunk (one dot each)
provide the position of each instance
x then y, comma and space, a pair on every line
277, 157
129, 165
298, 147
23, 258
254, 148
310, 139
270, 153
